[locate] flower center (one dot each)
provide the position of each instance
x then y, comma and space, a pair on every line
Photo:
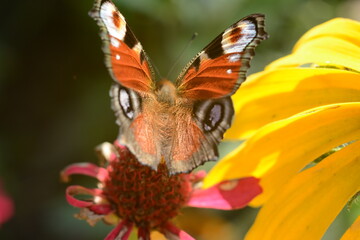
142, 195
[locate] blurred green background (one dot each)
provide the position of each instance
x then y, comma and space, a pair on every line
55, 104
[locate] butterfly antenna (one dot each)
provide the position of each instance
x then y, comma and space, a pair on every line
154, 68
181, 54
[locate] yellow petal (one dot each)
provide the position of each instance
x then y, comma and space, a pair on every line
277, 94
336, 42
353, 233
278, 151
341, 28
322, 51
306, 206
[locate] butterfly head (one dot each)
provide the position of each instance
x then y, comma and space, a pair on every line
166, 92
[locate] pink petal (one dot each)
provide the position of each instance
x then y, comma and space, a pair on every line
171, 232
101, 209
88, 169
6, 207
121, 232
77, 190
226, 195
143, 234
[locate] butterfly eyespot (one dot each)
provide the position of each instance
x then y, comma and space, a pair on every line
125, 103
213, 117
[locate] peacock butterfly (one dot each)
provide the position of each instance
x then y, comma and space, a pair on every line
179, 123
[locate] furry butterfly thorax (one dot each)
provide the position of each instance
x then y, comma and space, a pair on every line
178, 123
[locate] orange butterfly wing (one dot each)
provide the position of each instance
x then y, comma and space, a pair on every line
129, 66
220, 68
209, 81
125, 57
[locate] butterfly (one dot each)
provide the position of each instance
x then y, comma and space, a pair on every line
181, 123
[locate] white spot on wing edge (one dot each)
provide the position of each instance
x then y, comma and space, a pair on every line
137, 48
234, 57
229, 71
117, 57
115, 42
248, 33
106, 15
203, 56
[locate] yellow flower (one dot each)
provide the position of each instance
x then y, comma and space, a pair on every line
299, 108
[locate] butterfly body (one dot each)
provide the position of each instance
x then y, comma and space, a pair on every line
177, 123
165, 129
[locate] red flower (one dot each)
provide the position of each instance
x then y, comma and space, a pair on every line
6, 206
147, 199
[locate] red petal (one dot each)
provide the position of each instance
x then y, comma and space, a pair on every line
101, 209
6, 207
88, 169
121, 232
171, 232
143, 234
76, 190
226, 195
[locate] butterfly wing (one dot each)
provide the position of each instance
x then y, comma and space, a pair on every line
134, 79
124, 56
220, 68
198, 134
209, 81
